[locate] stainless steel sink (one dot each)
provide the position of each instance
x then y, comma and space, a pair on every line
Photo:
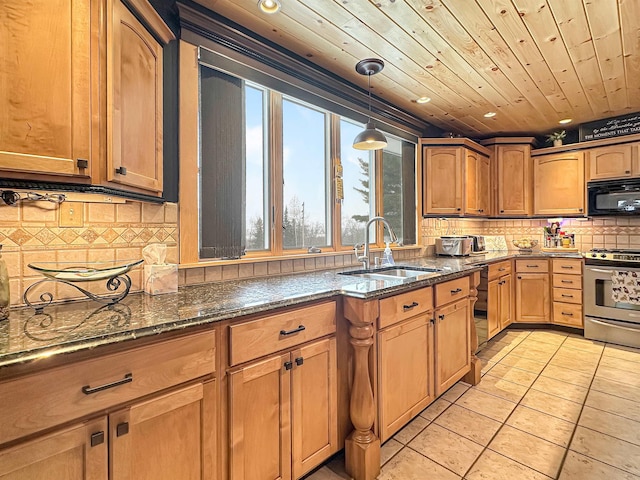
405, 274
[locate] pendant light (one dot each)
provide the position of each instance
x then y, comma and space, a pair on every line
370, 138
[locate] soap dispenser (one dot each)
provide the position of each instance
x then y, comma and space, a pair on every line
387, 256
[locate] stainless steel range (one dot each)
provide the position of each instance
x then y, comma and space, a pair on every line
612, 296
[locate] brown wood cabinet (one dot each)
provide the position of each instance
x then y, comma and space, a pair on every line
567, 292
283, 413
134, 102
559, 184
513, 172
532, 303
498, 281
405, 372
612, 161
46, 79
452, 344
456, 178
73, 73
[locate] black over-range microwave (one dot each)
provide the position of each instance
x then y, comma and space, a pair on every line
614, 197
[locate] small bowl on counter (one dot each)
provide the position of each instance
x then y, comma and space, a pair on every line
525, 245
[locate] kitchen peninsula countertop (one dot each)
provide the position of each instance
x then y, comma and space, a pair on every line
65, 328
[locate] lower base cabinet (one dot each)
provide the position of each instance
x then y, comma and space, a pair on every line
163, 438
452, 344
532, 298
283, 420
405, 372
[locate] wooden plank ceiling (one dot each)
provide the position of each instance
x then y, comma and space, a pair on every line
533, 62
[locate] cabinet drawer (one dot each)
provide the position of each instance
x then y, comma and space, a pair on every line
563, 280
453, 290
45, 399
499, 269
399, 307
567, 295
567, 314
532, 266
257, 338
567, 266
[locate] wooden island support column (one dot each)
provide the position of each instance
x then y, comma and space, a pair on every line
474, 375
362, 447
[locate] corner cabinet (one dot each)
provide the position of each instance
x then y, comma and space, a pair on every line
455, 177
559, 184
134, 100
82, 82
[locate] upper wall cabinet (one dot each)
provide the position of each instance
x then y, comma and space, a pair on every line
134, 102
559, 184
514, 175
82, 92
613, 161
455, 177
45, 86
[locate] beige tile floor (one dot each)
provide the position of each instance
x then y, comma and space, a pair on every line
550, 405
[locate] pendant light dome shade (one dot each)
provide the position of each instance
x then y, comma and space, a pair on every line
370, 138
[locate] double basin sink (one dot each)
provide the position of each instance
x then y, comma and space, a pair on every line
404, 274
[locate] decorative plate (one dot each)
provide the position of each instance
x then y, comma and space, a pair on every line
73, 272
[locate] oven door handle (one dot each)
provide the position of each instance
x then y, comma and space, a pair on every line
613, 325
599, 270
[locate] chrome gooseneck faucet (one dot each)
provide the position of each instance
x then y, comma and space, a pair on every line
364, 258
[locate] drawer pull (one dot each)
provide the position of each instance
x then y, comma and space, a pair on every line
88, 390
299, 361
502, 269
441, 317
410, 306
533, 266
122, 429
284, 333
97, 439
568, 296
121, 170
567, 314
457, 290
566, 281
288, 365
567, 266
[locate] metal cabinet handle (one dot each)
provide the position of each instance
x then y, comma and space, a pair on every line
568, 296
567, 266
481, 210
121, 170
568, 314
410, 306
432, 321
82, 163
533, 266
288, 365
502, 269
299, 361
441, 317
88, 390
284, 333
122, 429
566, 281
97, 438
458, 209
627, 171
457, 290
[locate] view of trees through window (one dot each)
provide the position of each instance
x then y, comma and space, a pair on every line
392, 194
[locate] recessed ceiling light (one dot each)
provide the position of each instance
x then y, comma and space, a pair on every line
490, 114
565, 121
269, 6
423, 100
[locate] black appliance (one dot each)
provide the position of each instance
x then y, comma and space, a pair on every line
615, 197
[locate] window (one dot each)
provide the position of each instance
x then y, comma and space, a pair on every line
305, 220
266, 174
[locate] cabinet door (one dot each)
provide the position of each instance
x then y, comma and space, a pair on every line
613, 161
260, 420
493, 307
442, 187
163, 438
506, 301
484, 186
470, 188
532, 298
559, 184
452, 344
45, 85
67, 454
134, 103
314, 398
405, 373
514, 180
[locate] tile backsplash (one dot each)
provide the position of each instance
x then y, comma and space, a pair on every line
604, 232
31, 233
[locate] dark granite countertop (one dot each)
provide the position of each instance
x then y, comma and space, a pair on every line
65, 328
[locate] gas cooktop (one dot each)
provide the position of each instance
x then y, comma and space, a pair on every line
613, 254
